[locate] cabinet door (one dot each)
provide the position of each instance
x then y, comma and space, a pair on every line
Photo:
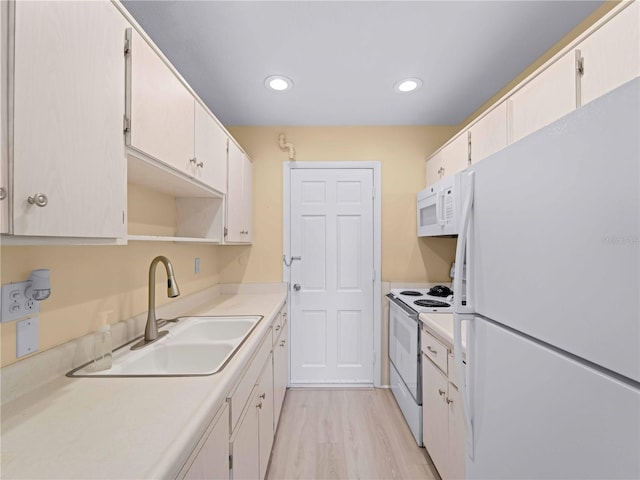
280, 372
434, 169
235, 211
489, 134
434, 415
210, 147
247, 199
246, 464
161, 109
611, 54
544, 99
68, 110
212, 461
455, 156
264, 401
457, 441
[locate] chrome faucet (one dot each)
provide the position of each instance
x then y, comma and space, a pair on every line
151, 333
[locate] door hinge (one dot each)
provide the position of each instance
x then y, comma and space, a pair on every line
469, 147
123, 217
226, 230
374, 275
126, 124
230, 462
127, 41
579, 64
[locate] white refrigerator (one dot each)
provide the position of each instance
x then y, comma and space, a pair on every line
551, 238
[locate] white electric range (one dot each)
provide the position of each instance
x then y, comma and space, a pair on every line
404, 346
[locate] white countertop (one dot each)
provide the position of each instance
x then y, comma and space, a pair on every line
440, 325
117, 428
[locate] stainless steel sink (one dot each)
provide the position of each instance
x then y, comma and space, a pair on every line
193, 346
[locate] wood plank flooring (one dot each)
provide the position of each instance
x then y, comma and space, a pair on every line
345, 434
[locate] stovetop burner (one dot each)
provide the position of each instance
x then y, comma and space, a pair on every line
431, 303
411, 293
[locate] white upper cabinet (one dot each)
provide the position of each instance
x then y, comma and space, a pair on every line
545, 98
452, 158
611, 54
210, 150
69, 171
489, 134
161, 109
239, 219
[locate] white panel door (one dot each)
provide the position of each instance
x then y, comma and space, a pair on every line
332, 311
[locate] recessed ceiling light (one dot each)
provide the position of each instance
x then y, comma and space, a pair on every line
407, 85
278, 83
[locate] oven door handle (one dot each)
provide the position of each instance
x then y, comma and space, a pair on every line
397, 302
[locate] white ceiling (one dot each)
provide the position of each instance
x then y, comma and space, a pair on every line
345, 56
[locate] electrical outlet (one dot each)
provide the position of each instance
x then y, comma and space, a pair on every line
197, 268
14, 303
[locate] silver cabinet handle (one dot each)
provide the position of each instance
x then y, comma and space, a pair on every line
39, 199
3, 193
432, 350
441, 392
297, 287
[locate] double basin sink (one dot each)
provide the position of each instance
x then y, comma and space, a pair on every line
193, 346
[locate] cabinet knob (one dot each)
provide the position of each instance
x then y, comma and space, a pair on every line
263, 396
441, 392
3, 193
297, 287
432, 350
282, 343
200, 164
192, 160
39, 199
259, 405
449, 401
277, 328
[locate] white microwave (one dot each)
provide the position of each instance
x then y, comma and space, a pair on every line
439, 207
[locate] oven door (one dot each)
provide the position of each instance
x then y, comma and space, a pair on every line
404, 347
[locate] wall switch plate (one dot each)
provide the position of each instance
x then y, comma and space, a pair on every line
197, 264
27, 336
14, 303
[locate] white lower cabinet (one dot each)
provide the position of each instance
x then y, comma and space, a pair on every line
245, 445
280, 371
211, 458
264, 404
443, 427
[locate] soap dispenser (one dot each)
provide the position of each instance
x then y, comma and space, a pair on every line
102, 345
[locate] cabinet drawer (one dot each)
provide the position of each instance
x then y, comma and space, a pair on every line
278, 323
435, 350
453, 371
243, 390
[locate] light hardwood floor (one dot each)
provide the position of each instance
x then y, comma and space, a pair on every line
345, 434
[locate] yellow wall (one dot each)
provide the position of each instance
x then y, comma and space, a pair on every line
401, 151
88, 280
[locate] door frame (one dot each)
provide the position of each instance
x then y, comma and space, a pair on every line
375, 166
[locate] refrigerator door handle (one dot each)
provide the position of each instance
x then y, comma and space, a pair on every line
465, 383
461, 248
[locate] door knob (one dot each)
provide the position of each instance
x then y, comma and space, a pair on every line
296, 287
